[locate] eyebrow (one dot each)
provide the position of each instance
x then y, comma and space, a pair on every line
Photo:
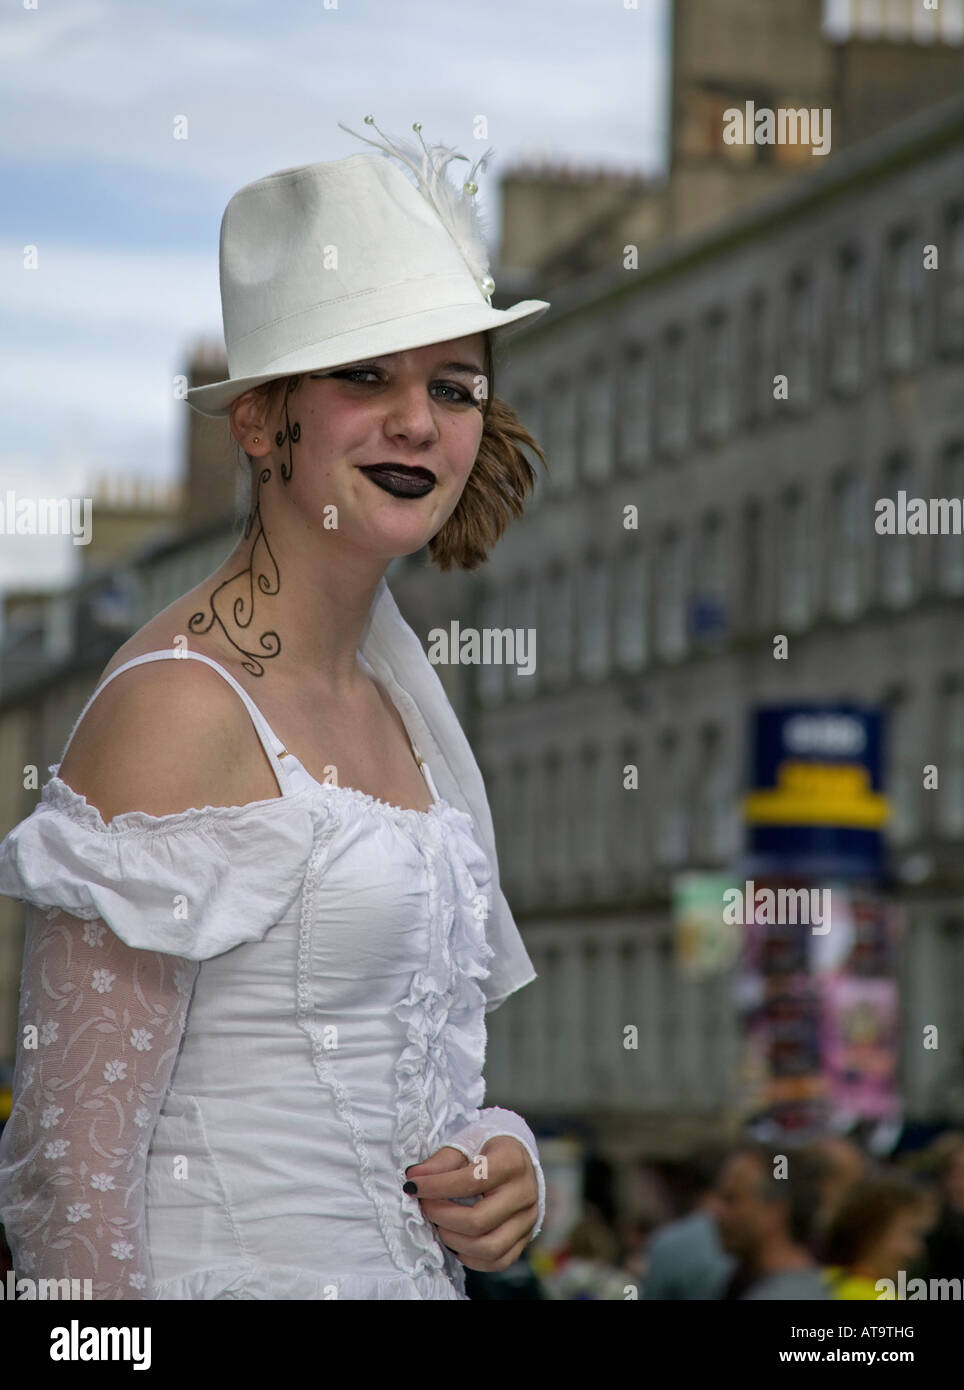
471, 368
461, 367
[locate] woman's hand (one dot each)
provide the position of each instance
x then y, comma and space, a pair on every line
490, 1235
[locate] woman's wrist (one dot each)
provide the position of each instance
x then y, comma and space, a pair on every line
492, 1123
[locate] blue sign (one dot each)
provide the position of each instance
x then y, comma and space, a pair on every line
816, 803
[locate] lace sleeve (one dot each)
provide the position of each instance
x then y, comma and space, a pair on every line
99, 1031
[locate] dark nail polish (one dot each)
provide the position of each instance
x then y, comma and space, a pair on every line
410, 1187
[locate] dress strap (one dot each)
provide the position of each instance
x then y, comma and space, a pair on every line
270, 741
423, 765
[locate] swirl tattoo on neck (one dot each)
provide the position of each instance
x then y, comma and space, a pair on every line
261, 571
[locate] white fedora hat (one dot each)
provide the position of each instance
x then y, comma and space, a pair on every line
330, 263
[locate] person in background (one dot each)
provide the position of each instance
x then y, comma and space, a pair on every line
877, 1231
591, 1269
945, 1242
685, 1259
635, 1234
843, 1164
519, 1281
767, 1223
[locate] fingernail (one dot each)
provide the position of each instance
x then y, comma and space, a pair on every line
410, 1187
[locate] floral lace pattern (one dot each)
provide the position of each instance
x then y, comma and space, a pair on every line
103, 1013
99, 1031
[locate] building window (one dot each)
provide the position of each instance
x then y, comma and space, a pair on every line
753, 599
560, 428
551, 832
593, 618
716, 831
636, 410
519, 850
672, 846
716, 396
556, 625
795, 541
505, 801
903, 769
896, 556
632, 604
529, 409
671, 597
708, 607
601, 771
951, 281
849, 321
631, 819
598, 423
950, 546
902, 291
799, 340
757, 380
593, 838
951, 768
529, 808
673, 404
491, 685
847, 531
521, 611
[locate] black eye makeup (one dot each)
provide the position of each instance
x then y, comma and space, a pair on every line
354, 375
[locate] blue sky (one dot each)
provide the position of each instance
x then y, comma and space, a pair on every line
126, 218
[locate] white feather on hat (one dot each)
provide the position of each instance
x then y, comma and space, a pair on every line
456, 207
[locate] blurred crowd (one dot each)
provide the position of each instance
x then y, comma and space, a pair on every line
752, 1221
824, 1221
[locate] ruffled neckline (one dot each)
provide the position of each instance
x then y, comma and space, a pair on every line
404, 815
62, 796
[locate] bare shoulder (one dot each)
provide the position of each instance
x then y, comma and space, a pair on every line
165, 736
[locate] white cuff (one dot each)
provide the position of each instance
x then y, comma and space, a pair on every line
490, 1124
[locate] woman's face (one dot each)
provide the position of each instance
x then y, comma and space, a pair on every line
900, 1245
418, 410
954, 1182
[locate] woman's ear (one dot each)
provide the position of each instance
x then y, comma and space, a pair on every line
248, 426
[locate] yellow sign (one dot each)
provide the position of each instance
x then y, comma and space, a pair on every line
819, 794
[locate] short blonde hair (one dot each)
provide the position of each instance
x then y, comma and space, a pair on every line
497, 487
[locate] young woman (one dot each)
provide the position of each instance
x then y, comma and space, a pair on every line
265, 916
878, 1230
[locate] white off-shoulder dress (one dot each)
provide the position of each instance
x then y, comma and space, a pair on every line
238, 1026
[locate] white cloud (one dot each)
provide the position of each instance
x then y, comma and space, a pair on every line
93, 341
46, 33
264, 89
